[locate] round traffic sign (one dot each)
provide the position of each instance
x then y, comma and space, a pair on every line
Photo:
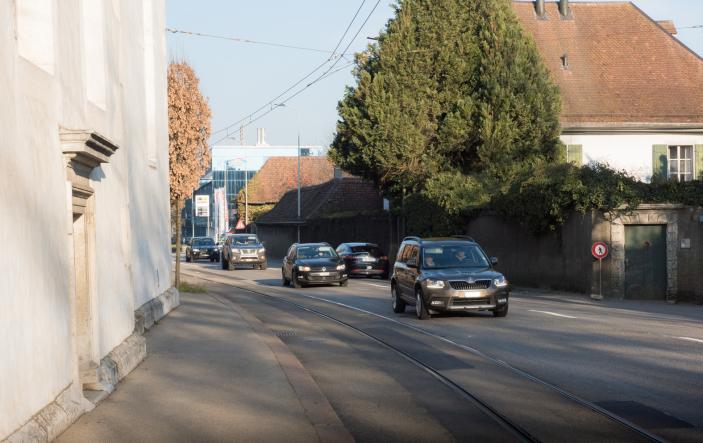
599, 250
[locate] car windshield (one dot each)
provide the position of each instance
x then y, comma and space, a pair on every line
371, 250
245, 240
305, 252
203, 242
453, 256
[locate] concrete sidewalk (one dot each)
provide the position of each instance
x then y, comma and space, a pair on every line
209, 376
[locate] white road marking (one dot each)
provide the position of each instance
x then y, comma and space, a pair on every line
697, 340
377, 285
552, 313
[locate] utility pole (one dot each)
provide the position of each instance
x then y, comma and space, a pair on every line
246, 193
298, 187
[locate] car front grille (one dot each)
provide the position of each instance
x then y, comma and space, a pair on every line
471, 301
466, 286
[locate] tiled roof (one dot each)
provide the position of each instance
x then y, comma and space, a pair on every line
347, 194
623, 67
280, 174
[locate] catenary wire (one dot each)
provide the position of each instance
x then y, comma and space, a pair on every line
317, 68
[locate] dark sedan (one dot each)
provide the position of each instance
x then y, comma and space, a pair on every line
364, 259
313, 264
202, 247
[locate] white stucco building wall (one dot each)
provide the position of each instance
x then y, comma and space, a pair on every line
631, 152
96, 67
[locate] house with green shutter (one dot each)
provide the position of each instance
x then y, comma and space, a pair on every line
632, 93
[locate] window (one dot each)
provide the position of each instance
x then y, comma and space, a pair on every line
681, 163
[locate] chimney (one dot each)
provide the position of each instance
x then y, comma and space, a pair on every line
564, 9
668, 26
539, 8
260, 137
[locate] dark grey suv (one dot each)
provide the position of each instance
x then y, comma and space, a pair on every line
445, 275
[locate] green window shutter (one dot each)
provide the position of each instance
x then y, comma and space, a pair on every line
574, 154
660, 165
698, 167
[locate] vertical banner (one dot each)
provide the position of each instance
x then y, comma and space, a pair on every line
202, 206
221, 210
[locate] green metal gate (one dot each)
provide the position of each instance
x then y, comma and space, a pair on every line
645, 262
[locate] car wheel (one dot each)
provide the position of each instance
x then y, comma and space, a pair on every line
296, 283
398, 303
284, 280
501, 312
188, 259
344, 283
420, 308
263, 266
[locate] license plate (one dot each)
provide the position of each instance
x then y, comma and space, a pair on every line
323, 274
368, 259
471, 294
368, 267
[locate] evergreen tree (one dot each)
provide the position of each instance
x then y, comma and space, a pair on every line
453, 102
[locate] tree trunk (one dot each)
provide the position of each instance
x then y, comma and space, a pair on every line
178, 242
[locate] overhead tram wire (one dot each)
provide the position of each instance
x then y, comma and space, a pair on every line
320, 66
247, 40
324, 75
259, 117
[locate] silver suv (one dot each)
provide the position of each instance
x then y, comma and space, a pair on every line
240, 249
447, 274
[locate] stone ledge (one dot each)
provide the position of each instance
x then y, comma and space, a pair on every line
53, 419
154, 310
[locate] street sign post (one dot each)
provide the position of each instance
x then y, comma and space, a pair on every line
600, 251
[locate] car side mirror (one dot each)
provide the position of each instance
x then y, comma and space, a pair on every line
494, 261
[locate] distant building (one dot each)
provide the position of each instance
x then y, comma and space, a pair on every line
232, 167
84, 194
338, 197
631, 92
279, 175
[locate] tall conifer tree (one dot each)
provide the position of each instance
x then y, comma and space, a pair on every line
452, 102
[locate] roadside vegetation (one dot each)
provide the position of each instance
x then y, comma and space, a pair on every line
192, 288
454, 112
188, 133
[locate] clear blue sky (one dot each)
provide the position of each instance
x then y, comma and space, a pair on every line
238, 78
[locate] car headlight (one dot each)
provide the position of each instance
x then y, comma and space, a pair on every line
196, 250
304, 268
435, 284
262, 250
341, 267
500, 282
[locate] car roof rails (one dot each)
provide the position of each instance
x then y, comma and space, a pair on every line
464, 237
413, 237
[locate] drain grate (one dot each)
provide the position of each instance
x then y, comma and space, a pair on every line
285, 333
643, 415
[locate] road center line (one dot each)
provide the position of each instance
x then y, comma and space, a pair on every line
697, 340
552, 313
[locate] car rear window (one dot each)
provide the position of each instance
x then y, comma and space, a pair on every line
371, 250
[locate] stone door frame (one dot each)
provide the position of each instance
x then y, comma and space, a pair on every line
646, 215
83, 152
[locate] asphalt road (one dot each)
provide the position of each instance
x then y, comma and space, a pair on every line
557, 367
